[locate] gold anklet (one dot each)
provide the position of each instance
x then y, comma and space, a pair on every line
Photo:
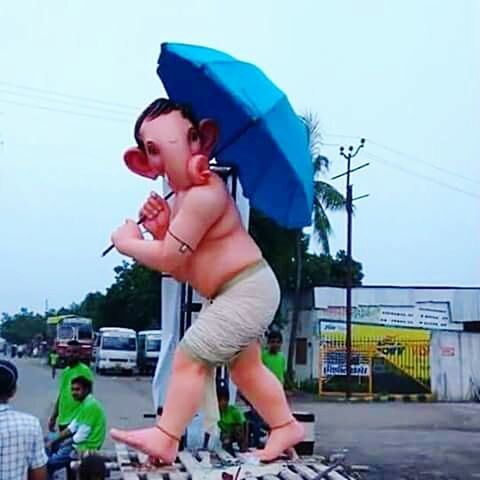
283, 424
168, 434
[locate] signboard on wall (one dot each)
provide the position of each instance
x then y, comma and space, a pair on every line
333, 369
408, 349
447, 351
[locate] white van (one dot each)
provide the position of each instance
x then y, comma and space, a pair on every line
116, 349
149, 344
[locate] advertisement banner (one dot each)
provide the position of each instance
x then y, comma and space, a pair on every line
406, 350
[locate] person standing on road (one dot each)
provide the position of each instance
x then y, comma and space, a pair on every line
66, 407
22, 449
53, 361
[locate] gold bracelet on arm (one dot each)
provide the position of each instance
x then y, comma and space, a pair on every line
184, 246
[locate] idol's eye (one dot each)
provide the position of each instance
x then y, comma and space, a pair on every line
194, 136
152, 149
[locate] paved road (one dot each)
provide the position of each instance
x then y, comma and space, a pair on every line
126, 399
403, 440
397, 440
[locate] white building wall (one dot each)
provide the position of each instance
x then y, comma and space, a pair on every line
435, 309
455, 366
306, 329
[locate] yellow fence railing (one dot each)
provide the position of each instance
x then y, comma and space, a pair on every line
379, 365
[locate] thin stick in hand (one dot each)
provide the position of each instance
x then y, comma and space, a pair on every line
140, 220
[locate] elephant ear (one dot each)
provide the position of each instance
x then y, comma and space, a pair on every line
137, 162
208, 136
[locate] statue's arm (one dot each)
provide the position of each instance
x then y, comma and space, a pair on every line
201, 208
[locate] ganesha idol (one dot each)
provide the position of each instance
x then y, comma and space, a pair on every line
201, 240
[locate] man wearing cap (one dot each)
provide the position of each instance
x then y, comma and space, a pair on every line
22, 449
66, 406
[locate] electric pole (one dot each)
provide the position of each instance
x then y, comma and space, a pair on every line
352, 152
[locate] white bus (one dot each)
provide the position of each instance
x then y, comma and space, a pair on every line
149, 344
116, 350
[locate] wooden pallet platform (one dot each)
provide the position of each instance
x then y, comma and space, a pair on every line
128, 464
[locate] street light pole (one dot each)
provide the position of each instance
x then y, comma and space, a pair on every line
348, 338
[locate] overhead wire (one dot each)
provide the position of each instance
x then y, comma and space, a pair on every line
70, 103
58, 110
67, 95
426, 162
377, 158
407, 155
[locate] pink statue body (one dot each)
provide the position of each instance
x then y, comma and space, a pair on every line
202, 241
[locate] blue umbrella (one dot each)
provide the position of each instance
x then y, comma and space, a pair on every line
260, 134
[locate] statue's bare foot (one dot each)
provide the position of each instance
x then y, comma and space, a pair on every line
281, 440
152, 441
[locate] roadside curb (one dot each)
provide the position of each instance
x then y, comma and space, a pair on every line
407, 398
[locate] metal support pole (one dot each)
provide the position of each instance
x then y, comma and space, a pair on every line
348, 339
349, 280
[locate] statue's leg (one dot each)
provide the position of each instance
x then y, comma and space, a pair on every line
183, 398
263, 390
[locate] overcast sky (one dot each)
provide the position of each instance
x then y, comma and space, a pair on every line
74, 75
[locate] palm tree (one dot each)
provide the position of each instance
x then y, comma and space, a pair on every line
326, 198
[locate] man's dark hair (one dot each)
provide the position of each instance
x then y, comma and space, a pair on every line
84, 382
92, 467
274, 335
159, 107
223, 394
8, 379
74, 343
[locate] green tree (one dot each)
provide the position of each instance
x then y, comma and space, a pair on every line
132, 301
323, 270
22, 327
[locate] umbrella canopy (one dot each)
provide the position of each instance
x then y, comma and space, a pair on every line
260, 134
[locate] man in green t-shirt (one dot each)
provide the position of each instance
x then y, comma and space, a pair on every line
232, 422
85, 433
53, 361
273, 357
66, 406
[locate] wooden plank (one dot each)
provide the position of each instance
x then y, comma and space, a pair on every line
226, 457
179, 476
142, 457
124, 462
287, 474
154, 476
333, 474
305, 471
205, 458
201, 468
270, 477
191, 464
123, 458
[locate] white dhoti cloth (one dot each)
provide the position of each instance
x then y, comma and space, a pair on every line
227, 324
